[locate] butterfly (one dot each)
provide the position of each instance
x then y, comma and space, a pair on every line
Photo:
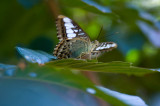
75, 43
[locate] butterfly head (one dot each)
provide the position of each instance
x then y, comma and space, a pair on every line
96, 42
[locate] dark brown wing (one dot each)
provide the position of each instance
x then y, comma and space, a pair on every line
68, 29
62, 50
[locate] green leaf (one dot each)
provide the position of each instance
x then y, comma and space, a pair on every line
66, 77
61, 79
24, 92
111, 67
88, 5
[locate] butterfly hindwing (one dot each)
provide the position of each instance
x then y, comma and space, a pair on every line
68, 29
105, 46
101, 48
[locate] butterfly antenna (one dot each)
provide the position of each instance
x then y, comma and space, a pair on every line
100, 33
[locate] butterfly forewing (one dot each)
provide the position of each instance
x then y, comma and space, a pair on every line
68, 29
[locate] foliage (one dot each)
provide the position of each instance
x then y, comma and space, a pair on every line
133, 25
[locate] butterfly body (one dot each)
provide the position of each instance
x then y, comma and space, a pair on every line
75, 43
79, 46
72, 48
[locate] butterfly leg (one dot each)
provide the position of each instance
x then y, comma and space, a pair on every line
95, 54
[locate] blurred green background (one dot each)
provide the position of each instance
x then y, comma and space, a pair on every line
133, 24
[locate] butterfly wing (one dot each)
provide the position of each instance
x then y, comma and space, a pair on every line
105, 46
73, 40
102, 47
68, 29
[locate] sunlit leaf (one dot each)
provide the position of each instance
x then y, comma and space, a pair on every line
128, 99
33, 56
89, 5
150, 32
104, 9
